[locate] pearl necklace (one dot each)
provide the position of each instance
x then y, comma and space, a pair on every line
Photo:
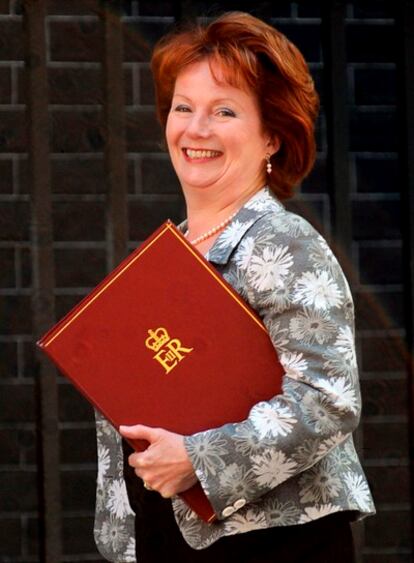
213, 230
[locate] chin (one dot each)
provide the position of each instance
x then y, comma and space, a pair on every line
197, 183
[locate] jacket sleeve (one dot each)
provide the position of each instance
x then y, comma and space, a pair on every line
292, 279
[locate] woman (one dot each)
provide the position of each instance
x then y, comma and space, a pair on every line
238, 106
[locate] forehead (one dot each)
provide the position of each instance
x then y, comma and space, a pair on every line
211, 78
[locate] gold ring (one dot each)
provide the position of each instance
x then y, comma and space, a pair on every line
146, 486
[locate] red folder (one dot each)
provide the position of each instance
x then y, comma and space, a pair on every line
164, 341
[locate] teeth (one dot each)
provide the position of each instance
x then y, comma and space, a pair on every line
201, 154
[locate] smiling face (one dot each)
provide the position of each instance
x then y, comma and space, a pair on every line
214, 133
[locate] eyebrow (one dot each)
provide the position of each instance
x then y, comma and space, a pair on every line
215, 101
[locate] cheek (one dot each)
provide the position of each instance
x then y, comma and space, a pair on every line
258, 146
249, 148
247, 139
172, 132
168, 132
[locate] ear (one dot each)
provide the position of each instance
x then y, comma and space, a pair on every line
273, 145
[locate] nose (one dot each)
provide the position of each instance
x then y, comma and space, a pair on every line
199, 125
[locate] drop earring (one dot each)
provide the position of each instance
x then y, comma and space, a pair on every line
268, 164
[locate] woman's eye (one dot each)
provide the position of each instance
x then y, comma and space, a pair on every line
226, 112
182, 108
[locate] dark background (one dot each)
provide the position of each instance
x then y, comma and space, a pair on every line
58, 239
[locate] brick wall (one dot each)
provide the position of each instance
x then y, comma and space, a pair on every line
75, 50
377, 253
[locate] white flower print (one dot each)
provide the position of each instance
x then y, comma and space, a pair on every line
345, 344
232, 233
342, 459
292, 224
322, 256
130, 556
104, 429
294, 364
279, 299
244, 252
235, 481
348, 309
272, 468
320, 484
358, 491
245, 522
349, 449
341, 357
342, 393
114, 534
292, 389
327, 445
272, 420
117, 502
315, 512
120, 465
260, 202
246, 440
103, 463
307, 453
192, 529
279, 337
269, 270
282, 513
317, 289
310, 325
206, 452
337, 365
235, 278
319, 413
280, 224
100, 501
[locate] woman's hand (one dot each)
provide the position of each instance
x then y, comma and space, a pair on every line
164, 466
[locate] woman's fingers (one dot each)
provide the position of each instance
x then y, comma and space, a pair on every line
139, 432
164, 465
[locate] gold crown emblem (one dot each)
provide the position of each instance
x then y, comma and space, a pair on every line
157, 338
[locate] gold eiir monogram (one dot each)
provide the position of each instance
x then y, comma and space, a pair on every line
169, 350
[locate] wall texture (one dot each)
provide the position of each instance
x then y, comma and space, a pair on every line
373, 262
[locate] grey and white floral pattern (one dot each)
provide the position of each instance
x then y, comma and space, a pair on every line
248, 442
114, 528
272, 467
209, 451
358, 490
320, 483
283, 513
250, 520
292, 460
236, 481
312, 326
322, 256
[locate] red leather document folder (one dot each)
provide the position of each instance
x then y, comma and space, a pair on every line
164, 341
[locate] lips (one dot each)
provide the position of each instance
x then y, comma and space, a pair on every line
201, 153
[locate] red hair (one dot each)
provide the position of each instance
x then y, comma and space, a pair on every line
251, 55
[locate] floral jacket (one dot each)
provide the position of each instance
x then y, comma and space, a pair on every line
293, 459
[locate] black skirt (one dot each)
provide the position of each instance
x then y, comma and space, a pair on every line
158, 538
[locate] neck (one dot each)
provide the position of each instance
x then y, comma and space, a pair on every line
208, 207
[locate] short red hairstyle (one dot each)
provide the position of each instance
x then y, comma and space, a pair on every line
255, 56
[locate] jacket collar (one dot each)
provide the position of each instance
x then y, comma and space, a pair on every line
260, 204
